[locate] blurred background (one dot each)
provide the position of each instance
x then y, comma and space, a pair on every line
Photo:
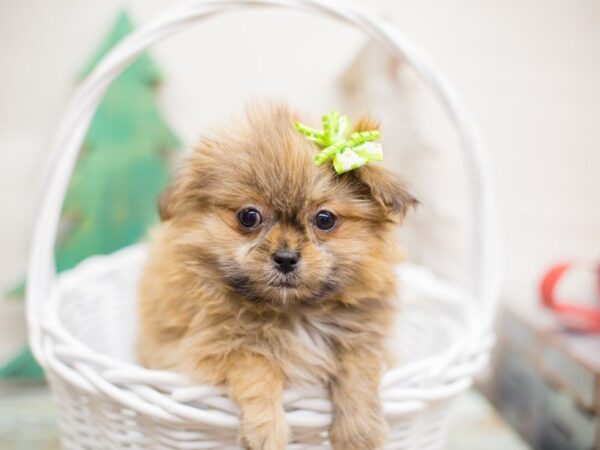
529, 70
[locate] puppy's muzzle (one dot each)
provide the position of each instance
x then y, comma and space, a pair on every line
286, 260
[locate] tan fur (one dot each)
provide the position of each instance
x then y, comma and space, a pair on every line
208, 303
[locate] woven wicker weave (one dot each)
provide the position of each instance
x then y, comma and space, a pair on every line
82, 324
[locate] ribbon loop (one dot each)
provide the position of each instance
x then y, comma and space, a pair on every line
348, 151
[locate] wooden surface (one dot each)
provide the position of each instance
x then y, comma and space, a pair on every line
547, 380
28, 422
477, 426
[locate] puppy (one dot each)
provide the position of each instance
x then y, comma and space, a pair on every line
269, 271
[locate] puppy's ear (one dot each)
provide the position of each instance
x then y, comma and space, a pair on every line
188, 191
365, 123
176, 195
180, 196
387, 192
383, 186
166, 203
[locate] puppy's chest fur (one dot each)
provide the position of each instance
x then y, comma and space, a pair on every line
303, 344
314, 340
312, 343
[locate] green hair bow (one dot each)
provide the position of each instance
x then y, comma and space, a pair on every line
348, 151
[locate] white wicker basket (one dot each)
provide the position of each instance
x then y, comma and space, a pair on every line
82, 323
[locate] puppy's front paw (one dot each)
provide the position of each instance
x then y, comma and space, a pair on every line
265, 436
257, 386
356, 433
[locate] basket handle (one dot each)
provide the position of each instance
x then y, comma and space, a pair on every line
69, 136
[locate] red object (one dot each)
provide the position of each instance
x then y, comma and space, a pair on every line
572, 315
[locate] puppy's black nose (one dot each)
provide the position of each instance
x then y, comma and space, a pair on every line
286, 260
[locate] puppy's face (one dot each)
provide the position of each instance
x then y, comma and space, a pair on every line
251, 207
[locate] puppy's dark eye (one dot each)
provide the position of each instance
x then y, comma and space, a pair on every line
325, 220
249, 218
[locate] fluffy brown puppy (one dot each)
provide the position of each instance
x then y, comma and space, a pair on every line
268, 271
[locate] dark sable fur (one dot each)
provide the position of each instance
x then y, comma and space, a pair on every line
242, 286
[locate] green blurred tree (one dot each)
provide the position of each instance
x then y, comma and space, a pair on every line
122, 168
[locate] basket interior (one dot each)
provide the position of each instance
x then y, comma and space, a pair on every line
97, 306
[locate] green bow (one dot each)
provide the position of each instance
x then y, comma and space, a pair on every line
349, 151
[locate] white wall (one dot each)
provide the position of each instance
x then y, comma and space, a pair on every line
529, 69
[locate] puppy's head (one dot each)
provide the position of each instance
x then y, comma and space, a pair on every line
251, 207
